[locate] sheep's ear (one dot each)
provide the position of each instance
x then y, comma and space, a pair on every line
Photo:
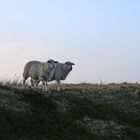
69, 63
72, 64
50, 61
56, 62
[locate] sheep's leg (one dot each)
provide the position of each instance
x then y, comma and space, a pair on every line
36, 83
43, 90
45, 85
24, 80
58, 85
32, 83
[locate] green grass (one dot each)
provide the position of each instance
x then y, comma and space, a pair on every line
80, 112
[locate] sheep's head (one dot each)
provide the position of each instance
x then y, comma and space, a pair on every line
51, 63
69, 65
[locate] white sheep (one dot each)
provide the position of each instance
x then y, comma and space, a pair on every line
60, 72
39, 71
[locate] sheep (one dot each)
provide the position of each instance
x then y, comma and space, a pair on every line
60, 72
40, 71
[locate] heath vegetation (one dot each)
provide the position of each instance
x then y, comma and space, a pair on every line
79, 111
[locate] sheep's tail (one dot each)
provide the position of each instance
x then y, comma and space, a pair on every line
26, 70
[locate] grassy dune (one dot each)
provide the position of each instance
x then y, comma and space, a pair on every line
78, 112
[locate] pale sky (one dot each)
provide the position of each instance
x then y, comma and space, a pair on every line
102, 37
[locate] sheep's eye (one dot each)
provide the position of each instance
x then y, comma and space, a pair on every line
70, 67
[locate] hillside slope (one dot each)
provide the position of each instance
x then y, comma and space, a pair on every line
78, 112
